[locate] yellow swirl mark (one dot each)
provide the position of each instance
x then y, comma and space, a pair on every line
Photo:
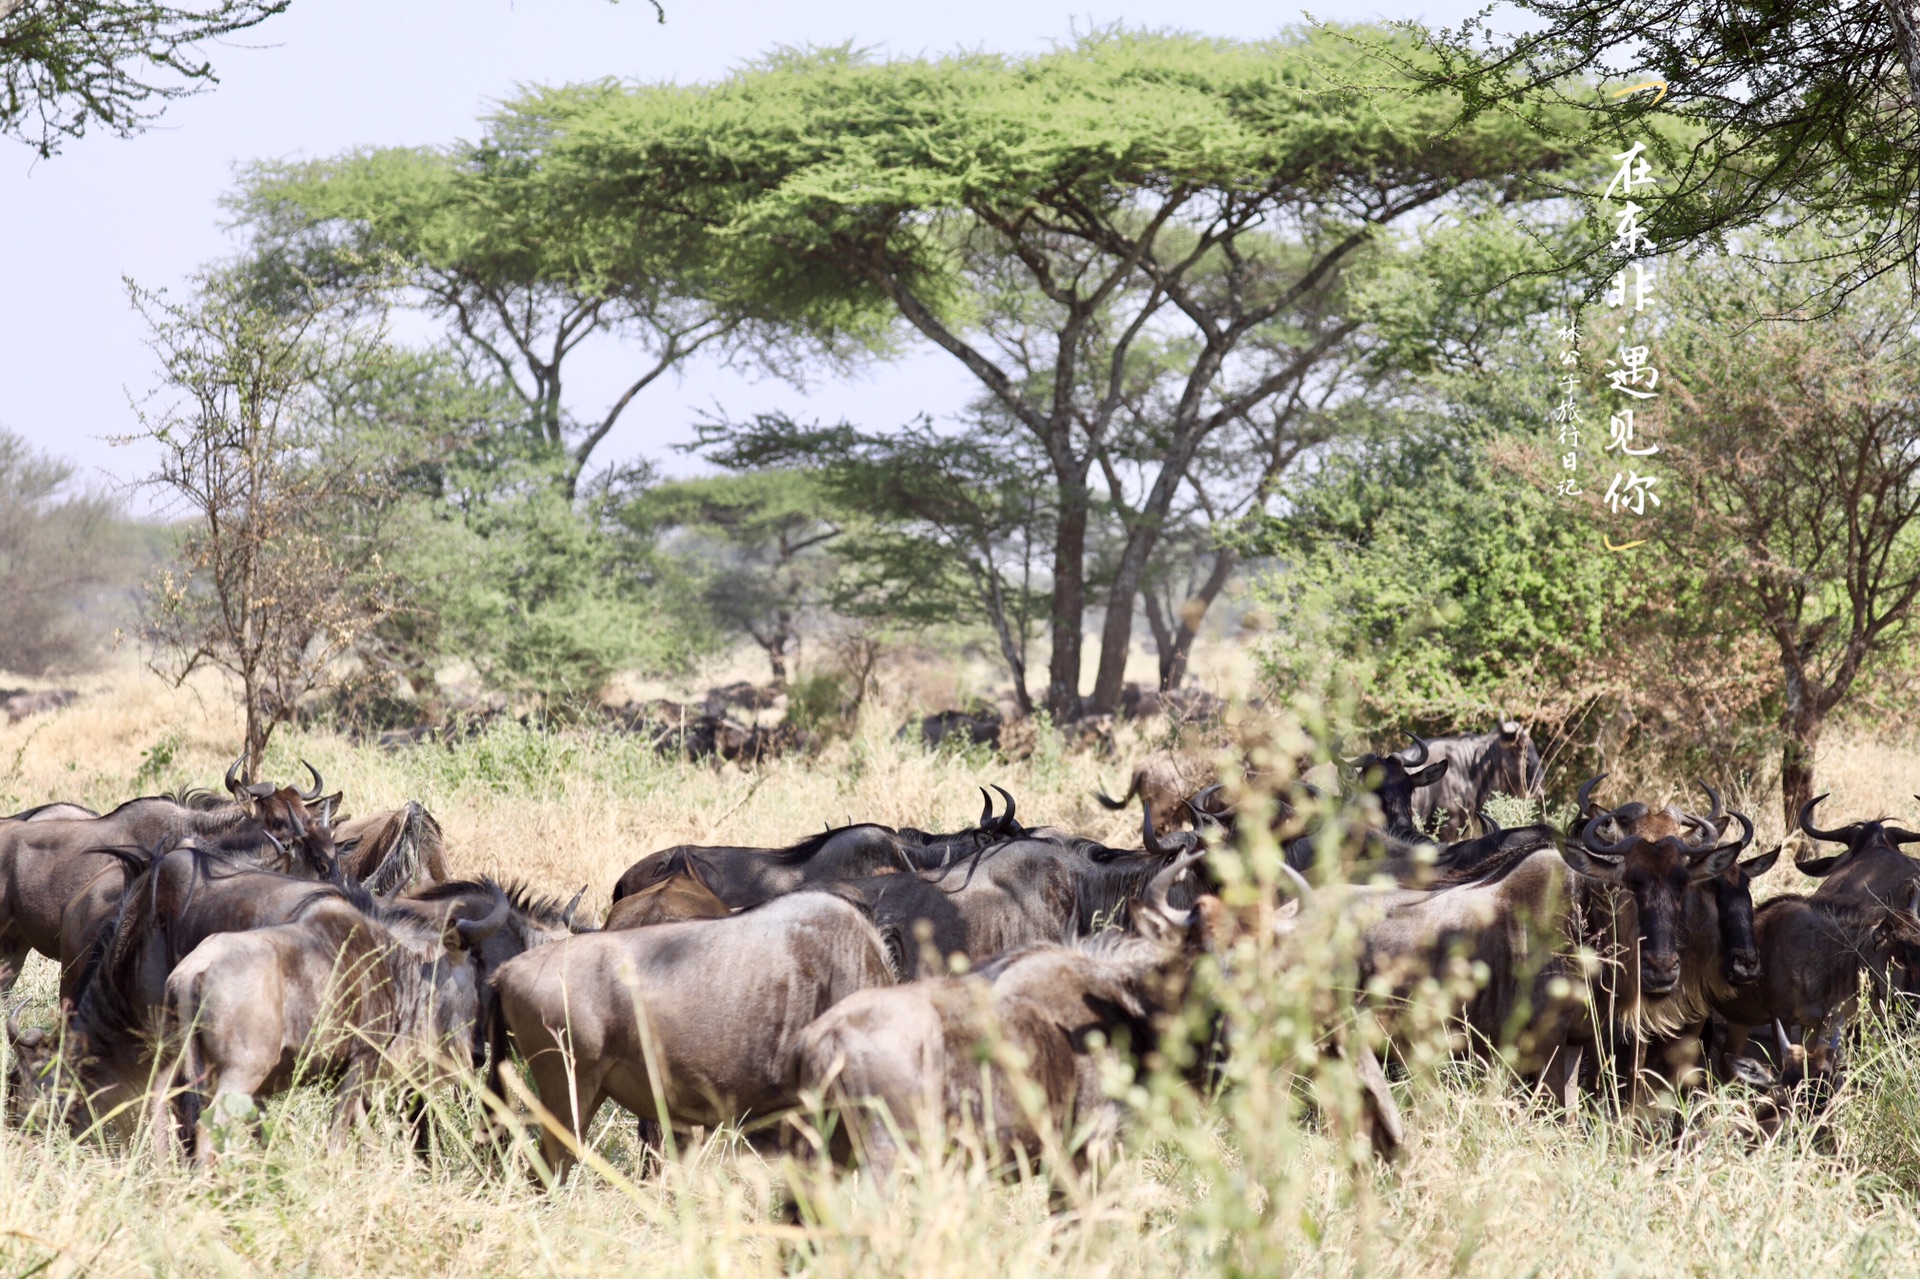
1624, 546
1637, 88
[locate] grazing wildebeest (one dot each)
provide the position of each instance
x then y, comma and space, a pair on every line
744, 877
346, 991
1502, 760
392, 851
1812, 954
682, 895
57, 885
910, 1058
684, 1023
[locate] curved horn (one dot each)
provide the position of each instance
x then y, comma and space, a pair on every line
1160, 884
1301, 888
1618, 848
1584, 798
307, 797
1719, 813
1148, 840
1783, 1044
1006, 818
1421, 742
566, 916
475, 931
1197, 810
1736, 846
1488, 825
233, 774
986, 809
1814, 832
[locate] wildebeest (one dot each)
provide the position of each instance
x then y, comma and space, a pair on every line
345, 990
1639, 896
744, 877
20, 703
1501, 760
1164, 781
1868, 877
680, 895
392, 851
684, 1023
976, 728
911, 1057
57, 885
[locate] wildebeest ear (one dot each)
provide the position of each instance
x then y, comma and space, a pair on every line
1819, 866
1429, 775
1715, 865
1510, 729
1754, 867
1583, 862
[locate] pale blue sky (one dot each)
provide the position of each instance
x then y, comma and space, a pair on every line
334, 74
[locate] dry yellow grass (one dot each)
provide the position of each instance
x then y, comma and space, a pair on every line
1241, 1186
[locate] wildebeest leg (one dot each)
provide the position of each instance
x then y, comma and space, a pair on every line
572, 1096
652, 1146
350, 1110
1561, 1078
13, 957
1382, 1116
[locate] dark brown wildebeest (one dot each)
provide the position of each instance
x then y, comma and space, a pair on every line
20, 703
682, 895
1859, 884
1502, 760
57, 811
1639, 895
743, 877
723, 1001
57, 885
346, 991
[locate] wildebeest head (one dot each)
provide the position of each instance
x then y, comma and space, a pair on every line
1733, 903
1860, 838
300, 821
1393, 781
1517, 766
1656, 856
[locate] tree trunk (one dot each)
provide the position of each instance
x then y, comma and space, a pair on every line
1162, 631
778, 644
1069, 604
1173, 665
1801, 719
1796, 768
1904, 15
995, 599
1116, 634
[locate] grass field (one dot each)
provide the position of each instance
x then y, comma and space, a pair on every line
1241, 1185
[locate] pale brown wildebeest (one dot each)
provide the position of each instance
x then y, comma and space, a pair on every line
723, 1002
909, 1058
682, 895
395, 851
347, 991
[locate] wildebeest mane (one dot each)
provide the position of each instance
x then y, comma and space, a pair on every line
1516, 846
546, 910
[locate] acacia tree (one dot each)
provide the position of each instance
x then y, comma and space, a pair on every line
263, 588
1127, 194
65, 67
477, 236
1796, 447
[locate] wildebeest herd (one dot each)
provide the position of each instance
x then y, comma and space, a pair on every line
217, 949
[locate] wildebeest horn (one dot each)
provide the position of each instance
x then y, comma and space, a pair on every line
1584, 798
1814, 832
986, 809
1615, 849
233, 774
307, 797
1783, 1044
475, 931
1301, 888
1719, 813
566, 916
1721, 851
1006, 818
1159, 885
1422, 744
1198, 813
1148, 840
1488, 825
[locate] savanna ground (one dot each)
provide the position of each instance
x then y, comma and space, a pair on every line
1243, 1184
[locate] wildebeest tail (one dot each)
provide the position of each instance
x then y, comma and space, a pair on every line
1115, 805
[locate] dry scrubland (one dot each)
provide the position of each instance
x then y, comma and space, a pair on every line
1235, 1186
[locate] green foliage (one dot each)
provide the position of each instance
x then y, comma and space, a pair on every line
1434, 581
111, 64
62, 551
